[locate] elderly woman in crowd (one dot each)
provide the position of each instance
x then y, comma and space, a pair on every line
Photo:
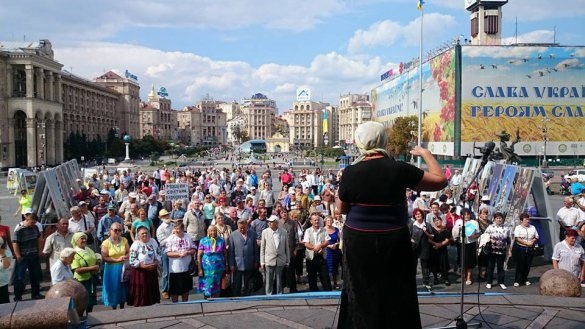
439, 256
333, 255
376, 232
115, 251
208, 209
178, 211
211, 259
570, 256
499, 240
144, 259
60, 270
525, 236
180, 249
420, 235
85, 267
224, 231
471, 229
141, 221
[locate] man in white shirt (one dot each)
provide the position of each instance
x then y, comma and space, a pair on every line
456, 178
567, 216
58, 241
164, 230
316, 240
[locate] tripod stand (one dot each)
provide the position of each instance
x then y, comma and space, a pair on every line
460, 322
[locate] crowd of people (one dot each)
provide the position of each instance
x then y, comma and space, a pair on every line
127, 241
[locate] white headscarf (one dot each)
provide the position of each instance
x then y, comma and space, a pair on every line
370, 138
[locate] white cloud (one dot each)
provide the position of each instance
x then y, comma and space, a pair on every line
98, 20
538, 36
188, 76
387, 32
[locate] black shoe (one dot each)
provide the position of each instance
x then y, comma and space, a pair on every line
38, 297
447, 283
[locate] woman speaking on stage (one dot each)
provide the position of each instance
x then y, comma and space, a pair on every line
379, 286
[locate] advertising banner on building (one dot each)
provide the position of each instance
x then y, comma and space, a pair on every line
400, 95
537, 91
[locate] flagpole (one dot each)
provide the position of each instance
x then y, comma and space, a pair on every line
420, 78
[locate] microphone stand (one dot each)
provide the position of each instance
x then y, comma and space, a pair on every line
460, 322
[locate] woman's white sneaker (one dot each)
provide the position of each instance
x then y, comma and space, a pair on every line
489, 286
516, 284
503, 286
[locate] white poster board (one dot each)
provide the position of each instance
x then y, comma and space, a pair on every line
176, 191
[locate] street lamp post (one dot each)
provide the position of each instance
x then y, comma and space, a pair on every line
545, 140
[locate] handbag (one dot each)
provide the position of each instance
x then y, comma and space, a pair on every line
226, 279
537, 250
193, 267
126, 272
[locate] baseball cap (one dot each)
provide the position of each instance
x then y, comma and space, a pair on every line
485, 198
317, 198
272, 218
253, 188
28, 211
81, 203
111, 207
132, 195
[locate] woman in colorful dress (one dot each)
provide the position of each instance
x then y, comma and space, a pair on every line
144, 259
84, 267
211, 259
115, 251
333, 255
180, 248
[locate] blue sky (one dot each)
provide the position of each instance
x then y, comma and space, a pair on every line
232, 49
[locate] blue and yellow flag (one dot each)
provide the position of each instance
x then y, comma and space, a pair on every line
325, 122
419, 4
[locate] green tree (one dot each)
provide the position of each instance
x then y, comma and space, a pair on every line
240, 134
399, 135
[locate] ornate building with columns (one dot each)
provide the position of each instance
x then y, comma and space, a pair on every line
41, 105
31, 118
204, 124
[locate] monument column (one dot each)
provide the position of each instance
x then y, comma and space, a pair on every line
31, 141
9, 79
41, 143
40, 72
51, 143
58, 142
58, 93
30, 88
10, 141
51, 90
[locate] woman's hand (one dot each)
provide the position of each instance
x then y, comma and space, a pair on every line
419, 151
200, 273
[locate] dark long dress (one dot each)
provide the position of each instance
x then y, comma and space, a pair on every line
143, 290
439, 261
379, 286
333, 255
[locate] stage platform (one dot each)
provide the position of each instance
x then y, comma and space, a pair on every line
319, 310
